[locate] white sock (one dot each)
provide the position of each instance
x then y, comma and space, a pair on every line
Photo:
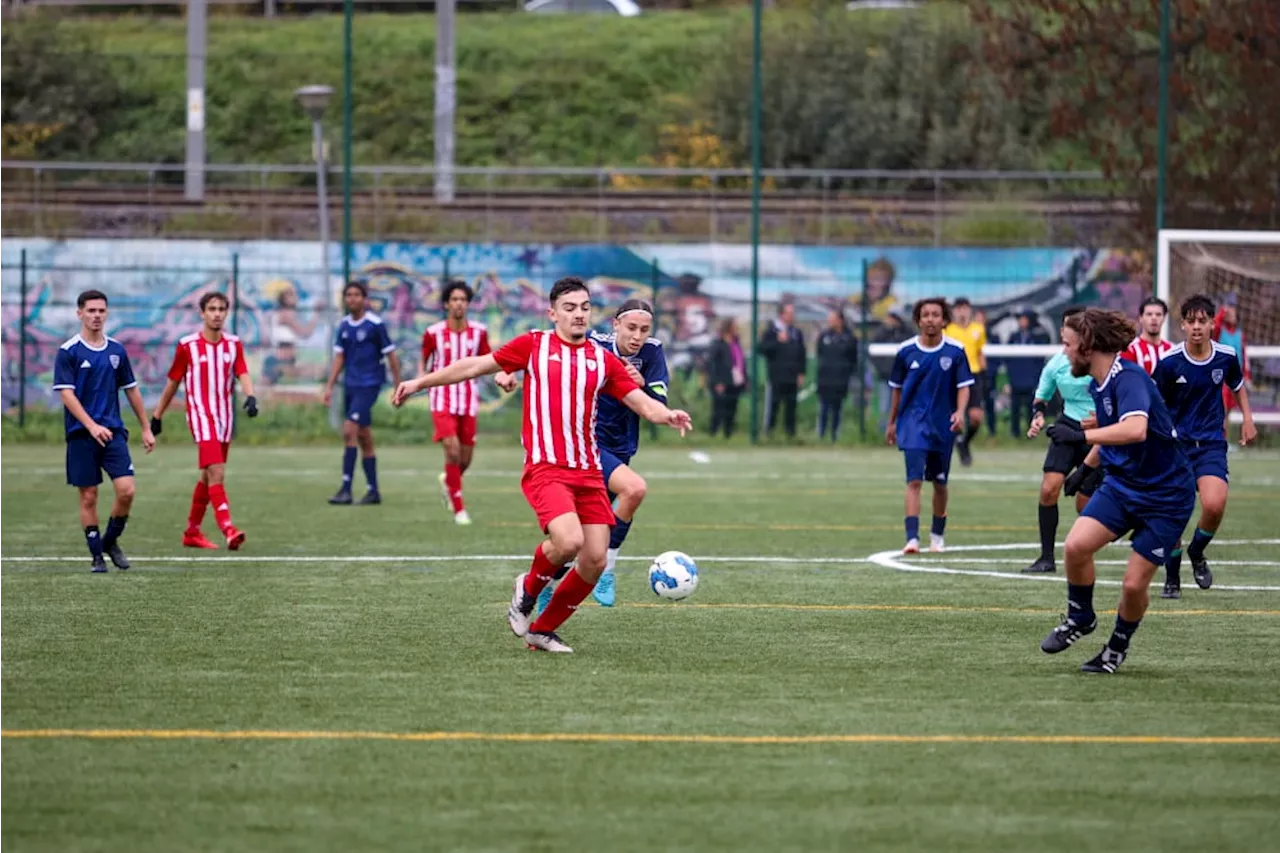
610, 559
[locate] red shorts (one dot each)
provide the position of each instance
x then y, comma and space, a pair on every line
447, 426
212, 452
553, 491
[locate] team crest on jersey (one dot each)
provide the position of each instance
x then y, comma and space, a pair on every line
945, 362
1217, 376
115, 362
635, 361
1106, 404
360, 336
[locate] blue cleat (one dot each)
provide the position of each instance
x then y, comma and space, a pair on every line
544, 598
604, 591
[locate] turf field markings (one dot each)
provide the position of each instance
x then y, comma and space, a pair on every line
917, 608
613, 738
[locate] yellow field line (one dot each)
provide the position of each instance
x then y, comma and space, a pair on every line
940, 608
593, 737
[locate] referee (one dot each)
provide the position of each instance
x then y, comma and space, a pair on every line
1061, 459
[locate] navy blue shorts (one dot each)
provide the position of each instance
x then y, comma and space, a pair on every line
610, 462
1207, 458
86, 459
358, 404
931, 465
1156, 526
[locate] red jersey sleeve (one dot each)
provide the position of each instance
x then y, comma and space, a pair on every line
181, 361
482, 348
617, 383
428, 346
241, 367
1130, 354
514, 354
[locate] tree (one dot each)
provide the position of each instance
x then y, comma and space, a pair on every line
1096, 63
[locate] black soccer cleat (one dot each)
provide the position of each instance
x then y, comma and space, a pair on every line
117, 556
371, 498
1042, 566
1065, 635
1200, 570
1106, 662
1172, 587
342, 498
99, 565
966, 455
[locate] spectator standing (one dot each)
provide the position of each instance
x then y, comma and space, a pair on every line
726, 376
1024, 372
837, 360
782, 346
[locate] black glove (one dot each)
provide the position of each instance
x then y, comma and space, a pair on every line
1077, 478
1066, 434
156, 426
251, 406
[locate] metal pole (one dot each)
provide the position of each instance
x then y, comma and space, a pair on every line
866, 349
197, 39
655, 279
1162, 126
445, 98
348, 12
235, 293
755, 216
322, 199
22, 344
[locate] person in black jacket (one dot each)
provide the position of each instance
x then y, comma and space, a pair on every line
837, 360
782, 346
1024, 373
726, 376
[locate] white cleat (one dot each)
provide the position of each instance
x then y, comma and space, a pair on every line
444, 492
936, 545
461, 517
521, 608
912, 547
546, 642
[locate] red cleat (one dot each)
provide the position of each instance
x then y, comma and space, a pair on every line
235, 538
196, 539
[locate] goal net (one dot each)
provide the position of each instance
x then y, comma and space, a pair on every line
1240, 272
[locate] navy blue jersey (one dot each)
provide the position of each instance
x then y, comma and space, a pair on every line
97, 376
930, 379
617, 427
363, 343
1193, 390
1154, 467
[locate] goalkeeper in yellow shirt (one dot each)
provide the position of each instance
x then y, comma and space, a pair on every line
973, 337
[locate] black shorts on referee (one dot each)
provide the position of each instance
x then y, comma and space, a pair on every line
1065, 458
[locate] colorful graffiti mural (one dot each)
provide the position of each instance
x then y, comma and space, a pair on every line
285, 307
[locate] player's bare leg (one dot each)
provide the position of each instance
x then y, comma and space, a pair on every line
1086, 538
1135, 597
451, 478
369, 461
124, 489
564, 540
630, 489
88, 507
1213, 506
965, 442
911, 508
350, 431
940, 494
573, 589
193, 536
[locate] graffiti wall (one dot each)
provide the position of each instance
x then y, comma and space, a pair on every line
285, 308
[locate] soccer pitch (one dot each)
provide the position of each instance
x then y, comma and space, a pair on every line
348, 681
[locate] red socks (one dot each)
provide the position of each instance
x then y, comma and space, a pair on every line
221, 508
541, 573
453, 482
571, 592
199, 503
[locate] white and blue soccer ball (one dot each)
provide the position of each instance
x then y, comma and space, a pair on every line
673, 575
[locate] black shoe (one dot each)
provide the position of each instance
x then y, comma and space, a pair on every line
117, 556
1064, 636
1042, 566
370, 498
1172, 588
1200, 570
99, 565
342, 498
966, 456
1106, 662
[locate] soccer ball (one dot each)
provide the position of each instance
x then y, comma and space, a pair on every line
673, 575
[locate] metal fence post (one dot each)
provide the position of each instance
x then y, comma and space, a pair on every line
937, 210
655, 282
866, 350
235, 293
22, 344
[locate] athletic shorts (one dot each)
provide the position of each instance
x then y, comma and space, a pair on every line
448, 426
86, 459
1156, 525
553, 491
358, 404
932, 465
610, 462
212, 453
1207, 458
1065, 458
978, 390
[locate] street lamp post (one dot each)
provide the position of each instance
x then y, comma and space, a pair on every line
314, 99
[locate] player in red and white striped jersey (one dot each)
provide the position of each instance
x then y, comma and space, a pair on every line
564, 374
1148, 347
208, 363
454, 407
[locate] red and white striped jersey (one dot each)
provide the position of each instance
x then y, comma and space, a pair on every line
208, 372
441, 347
1147, 355
561, 384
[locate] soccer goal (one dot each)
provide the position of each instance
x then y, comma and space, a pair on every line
1240, 271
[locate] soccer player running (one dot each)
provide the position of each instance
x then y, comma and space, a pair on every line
88, 374
1149, 346
565, 374
973, 337
1060, 459
1192, 377
930, 384
1148, 488
208, 363
454, 408
361, 344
